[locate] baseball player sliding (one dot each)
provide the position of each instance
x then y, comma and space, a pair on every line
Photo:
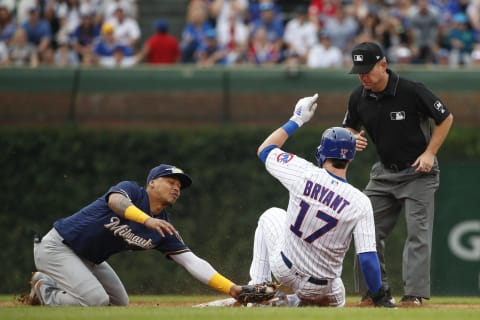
304, 246
71, 257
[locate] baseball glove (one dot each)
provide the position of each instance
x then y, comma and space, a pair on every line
257, 293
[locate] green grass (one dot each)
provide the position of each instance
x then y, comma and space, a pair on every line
178, 307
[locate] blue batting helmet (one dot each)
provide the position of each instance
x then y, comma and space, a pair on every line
336, 143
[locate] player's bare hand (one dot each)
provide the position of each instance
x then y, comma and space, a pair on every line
161, 226
424, 162
361, 141
235, 291
304, 109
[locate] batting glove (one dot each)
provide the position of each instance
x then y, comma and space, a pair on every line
304, 110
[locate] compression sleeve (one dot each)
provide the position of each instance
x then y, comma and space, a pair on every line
264, 153
203, 271
134, 214
371, 270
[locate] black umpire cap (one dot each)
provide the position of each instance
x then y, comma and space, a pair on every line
365, 56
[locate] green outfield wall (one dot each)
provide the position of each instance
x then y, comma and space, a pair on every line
48, 173
456, 255
188, 95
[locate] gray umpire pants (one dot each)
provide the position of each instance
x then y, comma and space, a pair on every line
70, 280
390, 192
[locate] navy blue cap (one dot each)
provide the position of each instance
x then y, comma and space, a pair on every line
166, 170
161, 25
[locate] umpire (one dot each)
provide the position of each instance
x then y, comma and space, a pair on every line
397, 115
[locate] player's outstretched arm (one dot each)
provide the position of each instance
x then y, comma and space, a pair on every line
204, 272
303, 112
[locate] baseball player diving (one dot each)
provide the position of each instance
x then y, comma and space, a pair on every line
71, 257
305, 245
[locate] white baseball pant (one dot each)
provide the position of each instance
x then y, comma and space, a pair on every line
268, 259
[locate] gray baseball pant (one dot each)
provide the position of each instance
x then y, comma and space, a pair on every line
71, 280
389, 192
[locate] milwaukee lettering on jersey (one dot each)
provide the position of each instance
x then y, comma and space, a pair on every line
325, 196
124, 231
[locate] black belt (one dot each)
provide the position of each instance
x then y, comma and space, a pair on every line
289, 264
397, 166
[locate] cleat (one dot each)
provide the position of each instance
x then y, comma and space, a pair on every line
411, 301
366, 301
35, 298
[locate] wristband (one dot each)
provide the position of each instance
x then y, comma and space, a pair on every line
290, 127
134, 214
220, 283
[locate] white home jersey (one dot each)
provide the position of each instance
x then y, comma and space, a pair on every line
323, 213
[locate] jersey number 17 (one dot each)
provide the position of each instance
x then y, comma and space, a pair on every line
296, 227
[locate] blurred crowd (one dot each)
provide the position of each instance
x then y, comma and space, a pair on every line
315, 33
68, 32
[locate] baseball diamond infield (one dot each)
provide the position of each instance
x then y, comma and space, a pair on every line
181, 307
472, 303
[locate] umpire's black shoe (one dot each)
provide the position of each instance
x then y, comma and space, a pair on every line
411, 301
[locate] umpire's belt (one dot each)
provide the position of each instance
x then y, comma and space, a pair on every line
289, 264
397, 166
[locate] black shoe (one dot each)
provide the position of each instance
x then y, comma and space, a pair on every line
388, 293
411, 301
366, 298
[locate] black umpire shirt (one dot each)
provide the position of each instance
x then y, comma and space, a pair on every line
396, 119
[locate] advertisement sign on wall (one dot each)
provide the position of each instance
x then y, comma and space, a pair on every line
456, 235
